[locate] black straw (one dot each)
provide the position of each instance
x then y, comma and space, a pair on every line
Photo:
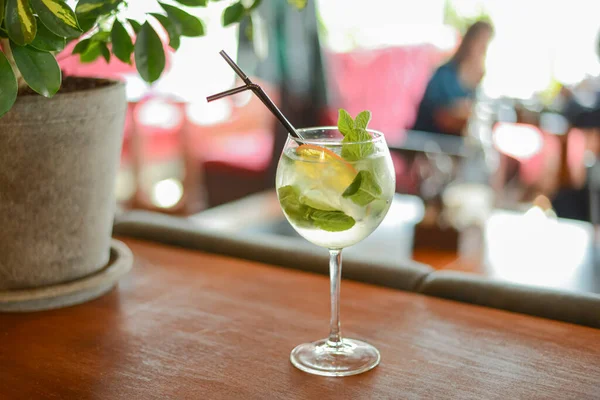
258, 91
227, 93
235, 67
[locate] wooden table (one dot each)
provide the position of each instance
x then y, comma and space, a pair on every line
190, 325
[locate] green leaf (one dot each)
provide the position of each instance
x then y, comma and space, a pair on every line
104, 51
101, 36
363, 189
171, 28
137, 27
94, 47
82, 46
185, 23
193, 3
92, 52
122, 46
301, 214
332, 221
39, 69
345, 122
86, 23
299, 4
2, 10
3, 33
234, 13
95, 8
149, 54
362, 119
355, 131
47, 41
353, 151
289, 198
255, 5
57, 16
20, 22
8, 85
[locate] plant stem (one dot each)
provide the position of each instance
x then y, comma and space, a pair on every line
5, 44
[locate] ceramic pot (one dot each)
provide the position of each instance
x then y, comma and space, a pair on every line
58, 163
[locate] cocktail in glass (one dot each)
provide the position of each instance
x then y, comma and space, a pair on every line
335, 189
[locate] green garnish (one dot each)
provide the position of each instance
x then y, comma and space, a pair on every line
305, 215
345, 122
363, 189
362, 119
355, 130
332, 221
314, 203
289, 197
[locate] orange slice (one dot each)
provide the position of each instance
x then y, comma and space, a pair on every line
324, 167
322, 154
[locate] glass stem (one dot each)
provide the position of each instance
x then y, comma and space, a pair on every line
335, 274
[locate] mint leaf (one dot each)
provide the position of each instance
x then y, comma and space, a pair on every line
305, 215
362, 119
357, 151
355, 131
363, 189
332, 221
345, 122
289, 198
315, 203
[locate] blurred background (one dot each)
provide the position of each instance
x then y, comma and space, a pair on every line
525, 145
181, 154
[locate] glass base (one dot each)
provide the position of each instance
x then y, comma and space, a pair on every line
325, 358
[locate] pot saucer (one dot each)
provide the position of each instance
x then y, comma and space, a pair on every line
74, 292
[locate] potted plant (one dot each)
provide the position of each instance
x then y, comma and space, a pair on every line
59, 157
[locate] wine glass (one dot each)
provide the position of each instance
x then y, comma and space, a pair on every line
335, 193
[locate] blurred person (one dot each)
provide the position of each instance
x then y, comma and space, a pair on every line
572, 199
578, 192
448, 99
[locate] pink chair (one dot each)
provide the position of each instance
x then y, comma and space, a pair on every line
390, 82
